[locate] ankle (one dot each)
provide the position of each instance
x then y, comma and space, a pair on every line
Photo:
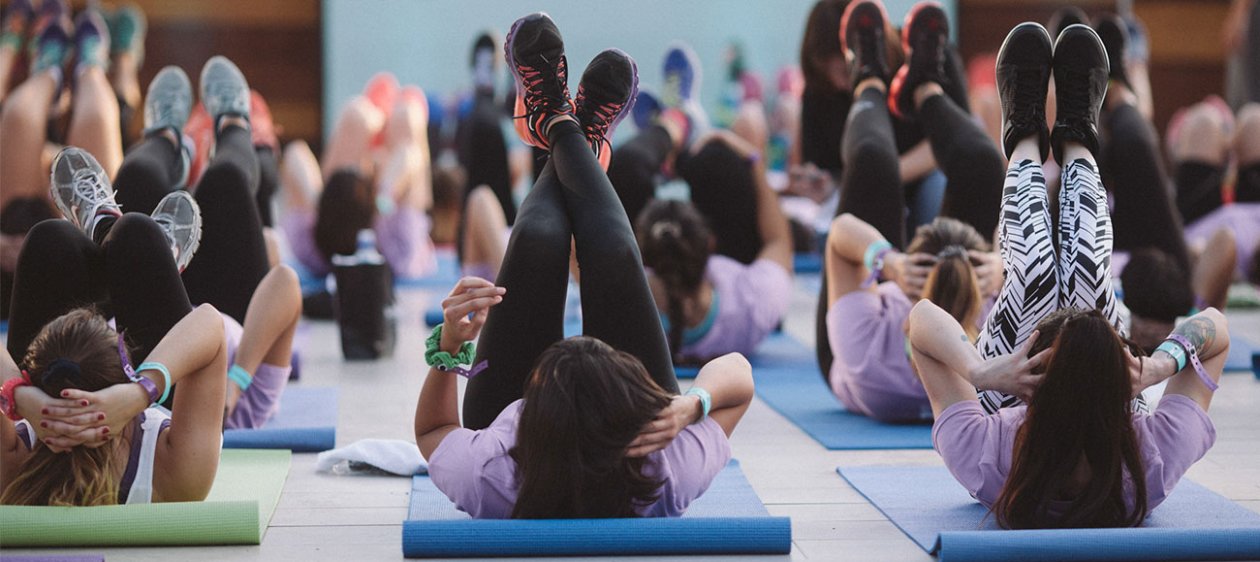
549, 126
1073, 151
872, 82
1027, 149
925, 91
232, 121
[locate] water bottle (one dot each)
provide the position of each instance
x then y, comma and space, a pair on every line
365, 308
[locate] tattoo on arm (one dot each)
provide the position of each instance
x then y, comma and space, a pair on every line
1200, 331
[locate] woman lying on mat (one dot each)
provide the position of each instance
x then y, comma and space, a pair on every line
90, 435
861, 322
1082, 452
601, 430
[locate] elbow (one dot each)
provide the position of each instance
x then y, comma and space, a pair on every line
744, 386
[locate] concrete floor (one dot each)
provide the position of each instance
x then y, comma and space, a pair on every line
327, 517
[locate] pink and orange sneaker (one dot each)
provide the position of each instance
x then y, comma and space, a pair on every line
924, 38
605, 96
535, 53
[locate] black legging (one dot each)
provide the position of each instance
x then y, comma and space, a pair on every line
60, 269
634, 168
872, 191
1144, 216
232, 258
573, 199
268, 183
724, 191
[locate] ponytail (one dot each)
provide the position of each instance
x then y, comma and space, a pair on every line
952, 284
674, 241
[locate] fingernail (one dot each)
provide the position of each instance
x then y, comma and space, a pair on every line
65, 394
83, 402
43, 424
105, 430
100, 417
44, 411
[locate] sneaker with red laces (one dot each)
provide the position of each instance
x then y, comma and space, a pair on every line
605, 96
862, 37
535, 53
923, 38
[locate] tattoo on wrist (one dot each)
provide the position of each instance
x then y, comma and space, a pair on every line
1200, 331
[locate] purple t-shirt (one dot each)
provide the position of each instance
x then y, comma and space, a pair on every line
402, 237
752, 300
261, 400
871, 373
1243, 219
977, 448
474, 470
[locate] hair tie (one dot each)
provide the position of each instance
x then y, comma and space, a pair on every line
951, 251
60, 369
660, 229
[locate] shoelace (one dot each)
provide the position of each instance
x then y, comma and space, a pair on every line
229, 94
90, 187
538, 101
596, 125
871, 44
1029, 99
1074, 107
169, 107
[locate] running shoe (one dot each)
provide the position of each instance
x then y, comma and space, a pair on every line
1065, 16
1023, 76
180, 219
91, 39
1114, 35
168, 101
50, 49
924, 38
50, 12
647, 108
682, 75
16, 20
862, 36
535, 53
81, 189
1080, 84
605, 95
127, 28
223, 89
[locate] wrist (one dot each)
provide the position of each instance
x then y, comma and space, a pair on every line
139, 395
24, 403
449, 344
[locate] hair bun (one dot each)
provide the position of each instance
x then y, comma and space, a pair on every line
666, 228
953, 250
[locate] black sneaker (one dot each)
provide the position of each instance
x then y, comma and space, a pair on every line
1080, 83
1065, 16
605, 95
923, 38
1115, 38
862, 37
535, 54
1023, 75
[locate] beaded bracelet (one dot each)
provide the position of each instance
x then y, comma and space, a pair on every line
445, 362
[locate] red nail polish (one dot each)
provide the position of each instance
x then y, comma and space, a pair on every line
44, 411
105, 430
83, 402
43, 424
100, 417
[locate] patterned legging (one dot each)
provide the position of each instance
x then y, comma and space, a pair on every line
1039, 280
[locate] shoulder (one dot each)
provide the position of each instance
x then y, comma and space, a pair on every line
688, 466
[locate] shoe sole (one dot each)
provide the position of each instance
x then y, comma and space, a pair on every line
634, 91
894, 91
844, 23
518, 105
693, 61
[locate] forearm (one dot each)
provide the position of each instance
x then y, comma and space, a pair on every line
191, 345
850, 239
437, 408
916, 163
771, 223
936, 334
728, 380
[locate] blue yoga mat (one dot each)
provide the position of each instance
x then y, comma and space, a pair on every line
306, 423
929, 506
787, 378
807, 263
445, 277
728, 519
1242, 354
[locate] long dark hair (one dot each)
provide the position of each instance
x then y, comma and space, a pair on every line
952, 283
1080, 413
75, 350
676, 244
584, 404
820, 42
346, 206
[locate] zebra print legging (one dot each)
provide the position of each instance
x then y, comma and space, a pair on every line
1040, 280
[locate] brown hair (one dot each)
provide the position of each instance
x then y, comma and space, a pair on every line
346, 206
1062, 429
82, 352
676, 244
820, 42
584, 404
952, 283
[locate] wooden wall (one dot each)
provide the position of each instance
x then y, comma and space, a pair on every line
1187, 58
276, 43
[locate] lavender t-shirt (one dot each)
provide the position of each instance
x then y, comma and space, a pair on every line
752, 300
1243, 219
871, 373
402, 237
977, 448
474, 470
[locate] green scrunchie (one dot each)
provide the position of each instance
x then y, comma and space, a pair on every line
442, 360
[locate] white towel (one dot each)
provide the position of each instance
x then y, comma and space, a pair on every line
389, 455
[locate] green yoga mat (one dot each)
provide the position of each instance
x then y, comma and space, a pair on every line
245, 493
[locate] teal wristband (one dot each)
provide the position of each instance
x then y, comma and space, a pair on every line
873, 250
1177, 352
166, 376
239, 376
706, 400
